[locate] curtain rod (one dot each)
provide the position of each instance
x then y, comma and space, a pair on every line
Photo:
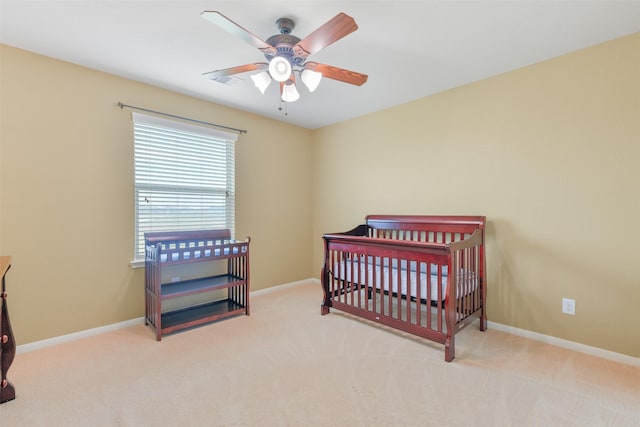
121, 105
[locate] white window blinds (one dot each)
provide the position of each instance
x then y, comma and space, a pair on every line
184, 177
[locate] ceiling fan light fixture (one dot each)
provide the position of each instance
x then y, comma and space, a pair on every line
289, 92
280, 69
284, 52
311, 79
261, 80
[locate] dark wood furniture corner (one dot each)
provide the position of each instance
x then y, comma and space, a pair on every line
168, 250
7, 341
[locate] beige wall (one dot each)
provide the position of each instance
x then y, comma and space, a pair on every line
66, 193
549, 153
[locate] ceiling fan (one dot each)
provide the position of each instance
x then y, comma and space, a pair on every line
287, 55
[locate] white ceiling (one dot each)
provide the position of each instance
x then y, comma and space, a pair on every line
409, 49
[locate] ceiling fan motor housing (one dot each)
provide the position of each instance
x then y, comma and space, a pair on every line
283, 43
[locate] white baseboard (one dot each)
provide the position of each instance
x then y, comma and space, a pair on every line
286, 285
37, 345
570, 345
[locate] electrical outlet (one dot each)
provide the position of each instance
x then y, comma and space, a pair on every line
175, 279
569, 306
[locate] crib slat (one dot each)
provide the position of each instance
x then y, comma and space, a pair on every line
390, 290
362, 269
399, 287
345, 271
343, 283
355, 278
419, 292
439, 305
356, 285
332, 279
464, 268
374, 286
427, 298
409, 292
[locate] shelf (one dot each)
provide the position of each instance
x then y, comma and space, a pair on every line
200, 314
194, 286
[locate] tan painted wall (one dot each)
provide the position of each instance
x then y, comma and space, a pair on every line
66, 193
549, 153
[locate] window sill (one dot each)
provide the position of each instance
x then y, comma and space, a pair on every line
137, 263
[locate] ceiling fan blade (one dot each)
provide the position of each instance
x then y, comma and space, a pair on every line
336, 73
222, 76
332, 31
236, 30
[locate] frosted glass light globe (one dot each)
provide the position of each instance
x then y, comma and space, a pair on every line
280, 69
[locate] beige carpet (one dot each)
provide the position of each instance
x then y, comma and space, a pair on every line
286, 365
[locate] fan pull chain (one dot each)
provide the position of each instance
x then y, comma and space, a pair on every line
286, 112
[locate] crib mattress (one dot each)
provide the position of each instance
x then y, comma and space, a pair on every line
401, 280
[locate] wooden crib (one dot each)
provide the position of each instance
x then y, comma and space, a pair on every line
424, 275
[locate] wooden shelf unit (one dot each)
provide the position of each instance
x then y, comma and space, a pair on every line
167, 250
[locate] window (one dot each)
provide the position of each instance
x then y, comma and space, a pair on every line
184, 177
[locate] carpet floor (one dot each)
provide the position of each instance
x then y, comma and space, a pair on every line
286, 365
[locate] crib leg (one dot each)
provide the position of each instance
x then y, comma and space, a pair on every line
483, 320
326, 303
324, 309
450, 319
326, 299
449, 349
483, 301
